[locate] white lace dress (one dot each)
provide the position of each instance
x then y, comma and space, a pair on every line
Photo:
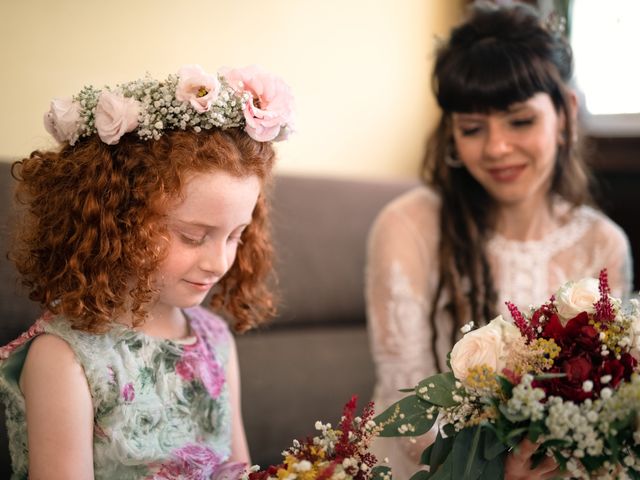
402, 275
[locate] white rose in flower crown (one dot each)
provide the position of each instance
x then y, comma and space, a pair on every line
63, 119
489, 345
576, 297
197, 87
115, 115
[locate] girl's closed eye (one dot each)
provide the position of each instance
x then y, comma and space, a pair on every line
192, 239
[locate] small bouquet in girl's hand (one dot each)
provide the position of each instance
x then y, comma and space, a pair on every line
563, 375
334, 454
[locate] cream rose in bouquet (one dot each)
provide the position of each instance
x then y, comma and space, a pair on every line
563, 375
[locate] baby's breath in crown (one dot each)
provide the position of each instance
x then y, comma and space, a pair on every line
192, 99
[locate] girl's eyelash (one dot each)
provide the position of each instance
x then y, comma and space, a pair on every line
191, 240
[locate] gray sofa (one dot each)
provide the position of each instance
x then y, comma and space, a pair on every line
308, 362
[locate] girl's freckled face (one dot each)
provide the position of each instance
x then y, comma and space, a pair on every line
205, 229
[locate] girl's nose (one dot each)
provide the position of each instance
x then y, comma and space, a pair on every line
214, 258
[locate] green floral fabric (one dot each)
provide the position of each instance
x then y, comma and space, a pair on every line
161, 408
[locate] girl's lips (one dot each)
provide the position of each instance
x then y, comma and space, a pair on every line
199, 286
506, 174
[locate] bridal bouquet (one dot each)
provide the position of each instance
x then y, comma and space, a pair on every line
334, 454
563, 374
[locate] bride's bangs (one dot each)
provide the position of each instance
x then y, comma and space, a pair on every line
489, 79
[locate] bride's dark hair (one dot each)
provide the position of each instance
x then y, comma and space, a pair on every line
497, 57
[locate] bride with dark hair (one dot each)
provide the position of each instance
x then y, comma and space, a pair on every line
505, 212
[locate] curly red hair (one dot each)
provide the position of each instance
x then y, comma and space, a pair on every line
89, 243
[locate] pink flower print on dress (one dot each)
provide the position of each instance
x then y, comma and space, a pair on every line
197, 362
128, 392
191, 462
229, 471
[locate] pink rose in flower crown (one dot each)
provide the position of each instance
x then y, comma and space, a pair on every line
197, 87
63, 119
115, 115
269, 113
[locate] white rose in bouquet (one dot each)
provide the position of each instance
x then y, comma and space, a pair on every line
489, 345
577, 297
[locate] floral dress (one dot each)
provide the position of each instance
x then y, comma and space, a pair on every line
161, 407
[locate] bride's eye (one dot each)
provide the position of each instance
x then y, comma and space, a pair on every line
522, 122
469, 131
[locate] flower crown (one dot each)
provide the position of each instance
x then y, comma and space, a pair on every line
193, 99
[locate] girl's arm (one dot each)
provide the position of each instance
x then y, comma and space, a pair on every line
59, 412
239, 447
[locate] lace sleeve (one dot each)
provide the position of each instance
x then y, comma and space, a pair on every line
614, 247
400, 273
400, 280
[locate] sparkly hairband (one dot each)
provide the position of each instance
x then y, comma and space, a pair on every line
193, 99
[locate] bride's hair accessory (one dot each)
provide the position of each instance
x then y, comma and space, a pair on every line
193, 99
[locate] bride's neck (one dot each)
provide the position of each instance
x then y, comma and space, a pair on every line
526, 221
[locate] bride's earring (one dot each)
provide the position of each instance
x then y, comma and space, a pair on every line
451, 160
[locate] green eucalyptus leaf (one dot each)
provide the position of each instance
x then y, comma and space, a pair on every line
449, 430
438, 389
381, 472
632, 474
492, 446
444, 472
516, 434
535, 430
593, 463
505, 385
412, 411
494, 468
467, 458
437, 452
420, 475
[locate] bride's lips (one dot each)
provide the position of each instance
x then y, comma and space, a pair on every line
506, 174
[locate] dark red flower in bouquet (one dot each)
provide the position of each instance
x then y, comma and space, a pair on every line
581, 356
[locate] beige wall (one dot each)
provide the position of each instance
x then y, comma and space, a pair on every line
359, 68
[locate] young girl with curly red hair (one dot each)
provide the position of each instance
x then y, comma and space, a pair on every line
155, 199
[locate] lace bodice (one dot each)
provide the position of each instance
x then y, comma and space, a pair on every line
402, 275
161, 407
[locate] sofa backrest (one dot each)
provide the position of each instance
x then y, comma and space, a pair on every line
320, 232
